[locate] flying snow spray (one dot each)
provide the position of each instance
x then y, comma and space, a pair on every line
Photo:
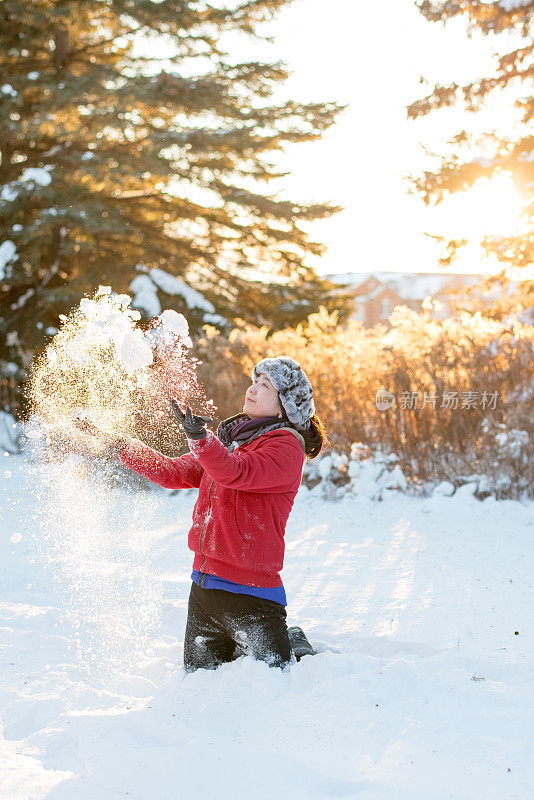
92, 532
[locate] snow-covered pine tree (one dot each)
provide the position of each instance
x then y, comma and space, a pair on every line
113, 160
512, 152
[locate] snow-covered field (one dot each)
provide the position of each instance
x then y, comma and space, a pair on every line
420, 608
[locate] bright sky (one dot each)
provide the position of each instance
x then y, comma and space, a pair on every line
371, 56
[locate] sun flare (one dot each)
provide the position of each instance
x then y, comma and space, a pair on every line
491, 208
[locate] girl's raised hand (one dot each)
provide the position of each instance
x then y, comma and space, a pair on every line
194, 425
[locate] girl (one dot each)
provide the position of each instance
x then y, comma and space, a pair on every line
248, 475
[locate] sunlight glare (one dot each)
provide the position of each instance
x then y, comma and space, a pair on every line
491, 208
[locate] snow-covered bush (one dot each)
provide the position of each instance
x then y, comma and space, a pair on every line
332, 475
377, 476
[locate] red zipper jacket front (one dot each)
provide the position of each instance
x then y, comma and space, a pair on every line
243, 503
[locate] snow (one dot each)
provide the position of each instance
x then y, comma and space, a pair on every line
511, 5
102, 321
512, 440
9, 368
444, 488
135, 352
177, 323
486, 163
371, 475
172, 285
419, 609
108, 319
215, 319
409, 285
146, 286
23, 298
8, 253
102, 364
145, 295
7, 89
9, 192
168, 329
10, 434
37, 175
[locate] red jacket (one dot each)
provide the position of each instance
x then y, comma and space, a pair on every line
243, 502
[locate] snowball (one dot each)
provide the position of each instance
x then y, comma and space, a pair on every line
135, 352
8, 89
177, 323
170, 328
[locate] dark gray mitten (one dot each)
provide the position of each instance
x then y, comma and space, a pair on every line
194, 425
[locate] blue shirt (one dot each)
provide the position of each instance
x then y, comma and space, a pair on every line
276, 593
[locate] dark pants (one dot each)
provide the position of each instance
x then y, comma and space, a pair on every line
218, 621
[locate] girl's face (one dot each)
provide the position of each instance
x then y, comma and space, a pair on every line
261, 399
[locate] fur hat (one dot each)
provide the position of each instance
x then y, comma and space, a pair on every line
294, 389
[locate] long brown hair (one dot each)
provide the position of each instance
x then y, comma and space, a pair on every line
315, 438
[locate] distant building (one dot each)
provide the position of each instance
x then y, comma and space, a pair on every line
376, 294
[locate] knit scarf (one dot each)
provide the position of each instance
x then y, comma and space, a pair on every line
240, 428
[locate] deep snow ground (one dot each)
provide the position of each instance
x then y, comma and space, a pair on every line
422, 690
